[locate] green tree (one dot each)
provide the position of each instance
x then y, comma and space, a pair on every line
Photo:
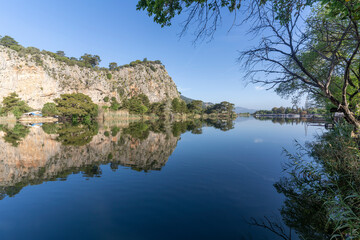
178, 106
60, 53
14, 104
115, 105
157, 108
113, 66
195, 106
138, 104
76, 106
49, 109
8, 41
223, 107
90, 60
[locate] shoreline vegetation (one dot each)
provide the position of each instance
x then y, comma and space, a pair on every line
79, 108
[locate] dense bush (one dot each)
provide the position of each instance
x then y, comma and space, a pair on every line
115, 105
76, 106
178, 106
138, 104
50, 109
14, 104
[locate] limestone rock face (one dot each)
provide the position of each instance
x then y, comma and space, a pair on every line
38, 81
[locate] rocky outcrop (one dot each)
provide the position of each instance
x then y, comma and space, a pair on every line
41, 78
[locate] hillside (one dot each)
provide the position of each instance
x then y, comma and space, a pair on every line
244, 110
189, 100
38, 78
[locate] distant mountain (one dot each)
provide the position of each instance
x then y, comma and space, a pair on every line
189, 100
244, 110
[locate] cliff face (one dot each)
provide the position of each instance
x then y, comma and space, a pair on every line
39, 79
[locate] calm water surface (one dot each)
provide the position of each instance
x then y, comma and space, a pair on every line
140, 181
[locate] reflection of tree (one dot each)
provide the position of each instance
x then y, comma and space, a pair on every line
73, 149
323, 196
195, 126
76, 135
16, 135
50, 128
286, 121
138, 130
223, 125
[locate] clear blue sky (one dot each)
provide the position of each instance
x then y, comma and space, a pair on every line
115, 31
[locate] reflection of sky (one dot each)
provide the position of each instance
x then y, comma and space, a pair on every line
115, 31
210, 185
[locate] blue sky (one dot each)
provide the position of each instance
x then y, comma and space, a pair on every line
115, 31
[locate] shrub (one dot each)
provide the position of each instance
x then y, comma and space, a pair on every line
115, 105
76, 106
152, 68
14, 104
106, 99
49, 109
109, 76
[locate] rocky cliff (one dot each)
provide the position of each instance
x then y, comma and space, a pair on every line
41, 78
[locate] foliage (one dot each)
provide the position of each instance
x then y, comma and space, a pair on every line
138, 104
106, 99
109, 76
49, 109
323, 195
113, 66
178, 106
295, 110
60, 53
76, 105
8, 41
223, 108
115, 105
90, 60
157, 108
14, 104
205, 11
195, 106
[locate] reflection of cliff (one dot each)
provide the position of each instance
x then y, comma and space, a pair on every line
39, 157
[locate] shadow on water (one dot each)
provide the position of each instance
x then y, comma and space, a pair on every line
52, 151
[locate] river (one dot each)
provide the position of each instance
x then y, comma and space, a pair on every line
144, 180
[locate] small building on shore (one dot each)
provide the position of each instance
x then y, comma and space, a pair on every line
33, 114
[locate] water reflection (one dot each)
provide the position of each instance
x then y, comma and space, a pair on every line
291, 121
321, 189
33, 155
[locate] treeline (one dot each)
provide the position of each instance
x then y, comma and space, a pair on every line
86, 60
288, 110
78, 107
196, 106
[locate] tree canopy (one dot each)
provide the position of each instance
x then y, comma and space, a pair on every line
12, 103
8, 41
76, 105
90, 60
